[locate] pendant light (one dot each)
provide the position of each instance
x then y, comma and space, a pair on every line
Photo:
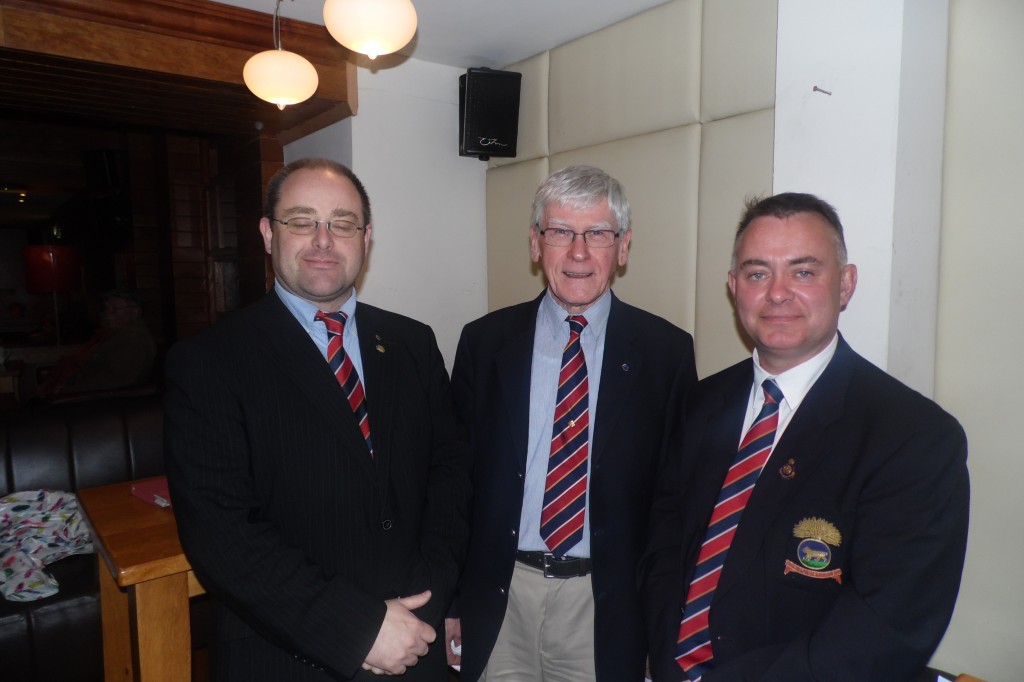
371, 27
280, 76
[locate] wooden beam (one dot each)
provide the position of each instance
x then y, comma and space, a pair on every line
179, 38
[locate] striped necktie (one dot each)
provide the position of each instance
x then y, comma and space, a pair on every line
565, 490
693, 647
343, 368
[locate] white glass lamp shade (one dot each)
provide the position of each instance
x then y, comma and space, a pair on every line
371, 27
281, 77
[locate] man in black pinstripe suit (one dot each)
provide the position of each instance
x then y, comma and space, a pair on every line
321, 554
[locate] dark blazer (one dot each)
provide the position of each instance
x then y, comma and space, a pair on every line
298, 535
885, 466
648, 369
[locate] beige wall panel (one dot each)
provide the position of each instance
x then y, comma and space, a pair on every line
981, 324
738, 57
533, 110
511, 277
660, 174
638, 76
735, 162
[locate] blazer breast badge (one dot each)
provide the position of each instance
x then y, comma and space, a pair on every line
814, 552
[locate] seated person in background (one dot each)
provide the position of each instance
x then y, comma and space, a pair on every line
119, 355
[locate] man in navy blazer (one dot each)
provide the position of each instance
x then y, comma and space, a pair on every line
846, 560
329, 552
526, 611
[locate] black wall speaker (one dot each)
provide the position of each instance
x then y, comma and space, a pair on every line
488, 113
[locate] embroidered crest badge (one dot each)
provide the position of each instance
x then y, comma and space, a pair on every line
814, 552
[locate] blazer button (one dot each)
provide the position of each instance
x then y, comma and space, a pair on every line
514, 532
501, 591
386, 524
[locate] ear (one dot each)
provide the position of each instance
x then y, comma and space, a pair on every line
366, 239
267, 232
732, 285
624, 247
847, 285
534, 244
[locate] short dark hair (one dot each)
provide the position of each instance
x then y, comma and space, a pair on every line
313, 163
788, 204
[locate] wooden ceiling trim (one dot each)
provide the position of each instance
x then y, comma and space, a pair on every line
210, 22
133, 53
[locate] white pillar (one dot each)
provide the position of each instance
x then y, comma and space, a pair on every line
860, 97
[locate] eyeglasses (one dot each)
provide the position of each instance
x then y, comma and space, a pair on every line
559, 236
306, 226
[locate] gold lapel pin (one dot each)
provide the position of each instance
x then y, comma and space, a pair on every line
788, 470
380, 347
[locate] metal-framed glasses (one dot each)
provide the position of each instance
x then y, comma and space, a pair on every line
338, 227
560, 236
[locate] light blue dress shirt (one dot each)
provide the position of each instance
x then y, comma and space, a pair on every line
305, 313
550, 337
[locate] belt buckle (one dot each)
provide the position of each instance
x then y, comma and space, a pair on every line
552, 562
549, 559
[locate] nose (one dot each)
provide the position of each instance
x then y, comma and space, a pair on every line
578, 249
322, 237
778, 290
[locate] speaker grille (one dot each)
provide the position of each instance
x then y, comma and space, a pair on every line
489, 113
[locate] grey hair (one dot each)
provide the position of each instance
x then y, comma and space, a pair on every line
581, 187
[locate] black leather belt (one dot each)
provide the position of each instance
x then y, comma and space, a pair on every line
555, 567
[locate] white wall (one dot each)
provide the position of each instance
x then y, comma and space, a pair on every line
427, 259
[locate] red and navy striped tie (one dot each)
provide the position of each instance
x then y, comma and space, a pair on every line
693, 647
343, 368
565, 491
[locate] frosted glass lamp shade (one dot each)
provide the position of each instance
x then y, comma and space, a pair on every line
371, 27
281, 77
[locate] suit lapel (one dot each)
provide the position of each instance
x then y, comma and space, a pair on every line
804, 443
377, 353
298, 361
716, 448
619, 371
513, 365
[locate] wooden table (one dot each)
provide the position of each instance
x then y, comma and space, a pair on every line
144, 594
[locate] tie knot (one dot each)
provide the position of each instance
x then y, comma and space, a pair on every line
576, 323
772, 392
335, 322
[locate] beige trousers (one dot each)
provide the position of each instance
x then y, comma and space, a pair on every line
548, 631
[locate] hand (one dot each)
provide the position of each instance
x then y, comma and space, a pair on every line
402, 639
453, 640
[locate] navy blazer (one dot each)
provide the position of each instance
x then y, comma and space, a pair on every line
647, 371
294, 530
876, 462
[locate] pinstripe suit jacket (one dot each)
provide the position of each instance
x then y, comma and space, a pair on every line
298, 535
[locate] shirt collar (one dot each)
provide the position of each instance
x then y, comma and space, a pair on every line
552, 316
796, 382
305, 311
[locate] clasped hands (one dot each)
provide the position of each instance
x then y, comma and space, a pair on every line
403, 638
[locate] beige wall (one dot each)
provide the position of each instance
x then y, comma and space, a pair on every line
677, 104
979, 374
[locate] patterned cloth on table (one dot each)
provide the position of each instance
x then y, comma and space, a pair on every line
38, 527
